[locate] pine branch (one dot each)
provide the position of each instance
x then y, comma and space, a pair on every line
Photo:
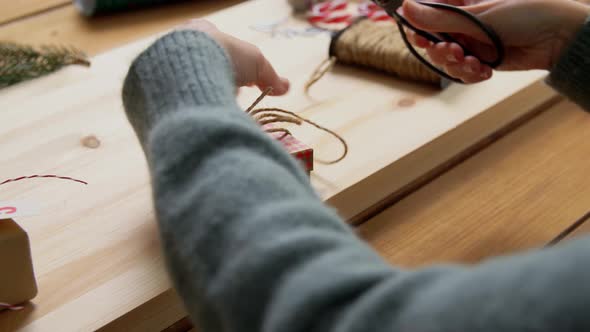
22, 62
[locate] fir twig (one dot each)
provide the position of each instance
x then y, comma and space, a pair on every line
22, 62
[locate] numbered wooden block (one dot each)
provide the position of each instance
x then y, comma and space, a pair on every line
17, 279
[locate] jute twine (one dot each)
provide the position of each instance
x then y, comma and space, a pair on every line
266, 116
375, 45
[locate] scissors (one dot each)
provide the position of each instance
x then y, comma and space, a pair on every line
391, 7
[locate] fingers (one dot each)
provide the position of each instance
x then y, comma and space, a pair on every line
451, 58
443, 54
417, 40
469, 71
267, 77
251, 68
431, 19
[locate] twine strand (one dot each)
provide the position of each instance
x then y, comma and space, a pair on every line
320, 71
266, 116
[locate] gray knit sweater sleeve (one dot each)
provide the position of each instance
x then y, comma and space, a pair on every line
571, 74
250, 246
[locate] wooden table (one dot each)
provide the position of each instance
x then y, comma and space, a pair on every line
525, 189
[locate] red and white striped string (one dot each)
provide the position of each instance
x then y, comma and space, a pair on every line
43, 176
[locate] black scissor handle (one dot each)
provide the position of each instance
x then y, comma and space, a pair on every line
444, 37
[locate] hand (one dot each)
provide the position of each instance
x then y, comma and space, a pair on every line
534, 33
251, 67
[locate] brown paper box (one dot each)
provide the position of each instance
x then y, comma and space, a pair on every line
17, 279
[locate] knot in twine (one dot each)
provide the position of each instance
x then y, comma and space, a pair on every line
266, 116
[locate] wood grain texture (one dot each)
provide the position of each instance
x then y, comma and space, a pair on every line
12, 10
99, 34
95, 248
517, 194
445, 122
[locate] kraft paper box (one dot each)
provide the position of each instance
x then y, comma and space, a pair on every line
17, 279
297, 149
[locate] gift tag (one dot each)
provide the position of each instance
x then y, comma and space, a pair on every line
12, 209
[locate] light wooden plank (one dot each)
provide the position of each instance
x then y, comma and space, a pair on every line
11, 10
517, 194
426, 134
99, 34
104, 233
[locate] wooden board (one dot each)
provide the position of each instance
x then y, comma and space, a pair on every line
98, 34
11, 10
510, 197
95, 247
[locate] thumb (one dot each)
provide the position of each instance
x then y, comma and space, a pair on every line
267, 77
431, 19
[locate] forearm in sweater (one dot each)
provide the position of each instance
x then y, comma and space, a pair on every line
250, 247
571, 74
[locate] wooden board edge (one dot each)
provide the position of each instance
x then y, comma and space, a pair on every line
450, 147
182, 325
158, 314
577, 229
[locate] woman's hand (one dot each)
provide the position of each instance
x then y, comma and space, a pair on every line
534, 33
251, 68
